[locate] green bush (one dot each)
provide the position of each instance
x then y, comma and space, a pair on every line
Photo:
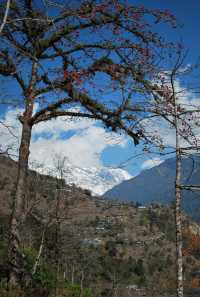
30, 256
73, 290
139, 268
46, 277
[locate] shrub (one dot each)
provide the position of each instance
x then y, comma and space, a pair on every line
30, 256
73, 290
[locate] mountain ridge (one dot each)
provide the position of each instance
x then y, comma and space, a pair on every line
157, 184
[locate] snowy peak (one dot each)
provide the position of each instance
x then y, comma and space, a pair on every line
97, 180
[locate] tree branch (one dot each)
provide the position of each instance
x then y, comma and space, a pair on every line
5, 15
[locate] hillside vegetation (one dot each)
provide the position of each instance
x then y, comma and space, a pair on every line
76, 245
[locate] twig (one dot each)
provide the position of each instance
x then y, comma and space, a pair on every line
5, 16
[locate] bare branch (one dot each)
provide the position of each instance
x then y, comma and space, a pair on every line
5, 16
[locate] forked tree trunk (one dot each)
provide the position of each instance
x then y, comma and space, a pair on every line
15, 253
178, 218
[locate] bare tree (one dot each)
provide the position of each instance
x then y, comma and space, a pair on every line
167, 105
179, 240
56, 59
184, 119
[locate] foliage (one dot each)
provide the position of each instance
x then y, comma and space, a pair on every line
45, 275
139, 268
74, 290
48, 278
30, 256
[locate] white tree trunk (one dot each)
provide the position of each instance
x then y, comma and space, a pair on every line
178, 218
37, 261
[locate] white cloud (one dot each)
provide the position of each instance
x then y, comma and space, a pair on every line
151, 163
10, 130
83, 148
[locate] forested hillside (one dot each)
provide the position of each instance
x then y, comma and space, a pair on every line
78, 244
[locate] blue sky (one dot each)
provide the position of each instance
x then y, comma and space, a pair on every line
108, 153
187, 32
188, 16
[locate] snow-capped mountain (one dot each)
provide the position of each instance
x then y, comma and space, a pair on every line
97, 180
79, 142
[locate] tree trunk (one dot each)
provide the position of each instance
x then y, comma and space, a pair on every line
179, 242
15, 253
81, 283
37, 261
73, 271
57, 237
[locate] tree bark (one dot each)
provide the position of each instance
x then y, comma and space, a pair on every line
73, 271
37, 261
178, 218
179, 242
15, 253
81, 283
